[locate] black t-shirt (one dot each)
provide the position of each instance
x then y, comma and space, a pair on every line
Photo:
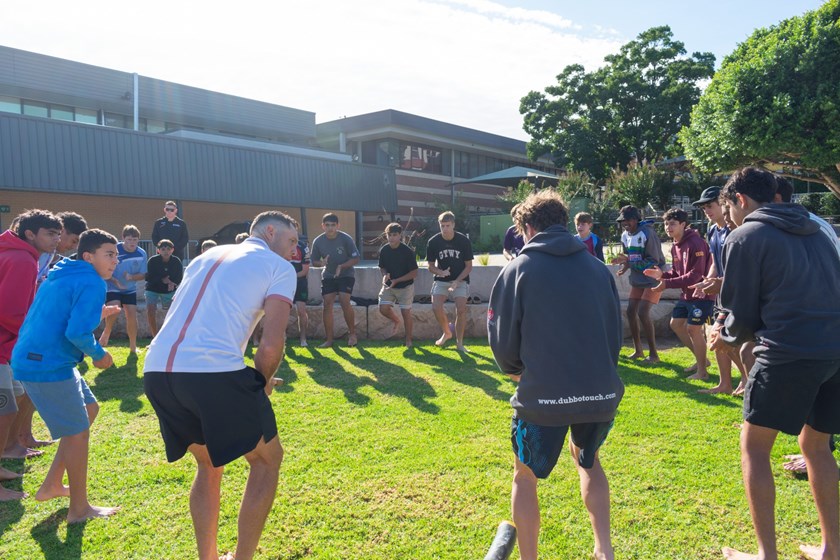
157, 270
452, 254
398, 262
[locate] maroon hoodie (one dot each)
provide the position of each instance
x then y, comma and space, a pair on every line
690, 263
18, 273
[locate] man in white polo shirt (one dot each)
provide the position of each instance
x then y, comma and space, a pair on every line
207, 400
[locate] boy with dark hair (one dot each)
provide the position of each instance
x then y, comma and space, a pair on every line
794, 385
38, 231
337, 253
122, 286
567, 370
54, 338
690, 262
173, 228
399, 269
72, 226
450, 256
642, 250
300, 261
164, 273
583, 225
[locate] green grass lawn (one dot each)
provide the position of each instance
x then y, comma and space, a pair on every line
395, 453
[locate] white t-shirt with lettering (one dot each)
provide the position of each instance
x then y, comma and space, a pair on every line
216, 307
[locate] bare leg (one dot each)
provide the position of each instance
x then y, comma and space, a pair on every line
408, 321
303, 321
698, 347
387, 311
738, 363
53, 485
724, 363
329, 302
349, 318
205, 498
131, 326
25, 436
75, 456
460, 321
823, 478
595, 491
526, 510
649, 330
443, 321
6, 495
756, 443
265, 462
14, 448
635, 333
151, 316
679, 328
110, 320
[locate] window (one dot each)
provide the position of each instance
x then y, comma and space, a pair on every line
89, 116
418, 157
35, 109
9, 104
61, 112
119, 121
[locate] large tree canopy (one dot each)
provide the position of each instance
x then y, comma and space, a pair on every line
628, 110
775, 102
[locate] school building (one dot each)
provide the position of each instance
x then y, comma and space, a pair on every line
114, 146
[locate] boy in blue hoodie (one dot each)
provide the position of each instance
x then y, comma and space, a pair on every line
56, 335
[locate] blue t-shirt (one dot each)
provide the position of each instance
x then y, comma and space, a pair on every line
129, 263
716, 236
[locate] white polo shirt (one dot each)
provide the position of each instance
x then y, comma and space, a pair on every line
216, 307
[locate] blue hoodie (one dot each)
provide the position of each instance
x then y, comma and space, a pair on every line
58, 330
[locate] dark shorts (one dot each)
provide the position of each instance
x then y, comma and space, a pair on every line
337, 285
228, 412
302, 291
539, 447
787, 396
124, 299
694, 312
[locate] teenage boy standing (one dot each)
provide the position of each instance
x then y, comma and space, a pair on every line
164, 273
122, 286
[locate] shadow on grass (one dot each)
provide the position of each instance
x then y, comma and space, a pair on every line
46, 535
463, 368
121, 383
11, 512
390, 378
673, 381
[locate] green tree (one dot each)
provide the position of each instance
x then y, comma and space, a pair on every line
775, 102
629, 110
641, 185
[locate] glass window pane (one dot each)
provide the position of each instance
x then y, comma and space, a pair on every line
9, 104
115, 119
88, 116
155, 126
35, 109
61, 112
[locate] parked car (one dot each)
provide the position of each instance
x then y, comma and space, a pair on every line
227, 235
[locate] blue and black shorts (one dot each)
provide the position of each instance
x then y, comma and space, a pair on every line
694, 312
539, 447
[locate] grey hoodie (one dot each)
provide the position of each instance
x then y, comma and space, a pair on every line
782, 286
555, 318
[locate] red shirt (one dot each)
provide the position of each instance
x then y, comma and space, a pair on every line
18, 273
690, 263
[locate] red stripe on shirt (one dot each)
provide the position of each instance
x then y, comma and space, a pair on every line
171, 360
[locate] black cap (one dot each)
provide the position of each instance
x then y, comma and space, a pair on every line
711, 194
628, 213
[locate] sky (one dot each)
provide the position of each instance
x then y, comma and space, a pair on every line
466, 62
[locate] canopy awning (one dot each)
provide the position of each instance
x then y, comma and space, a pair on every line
512, 176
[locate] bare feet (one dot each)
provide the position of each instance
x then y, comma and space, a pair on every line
303, 343
276, 381
795, 464
17, 451
45, 493
6, 474
326, 344
811, 551
92, 512
461, 348
651, 360
699, 376
443, 339
227, 556
393, 330
726, 389
7, 495
636, 356
352, 340
693, 367
408, 343
30, 441
739, 390
732, 554
603, 554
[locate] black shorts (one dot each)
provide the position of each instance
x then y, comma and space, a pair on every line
539, 447
228, 412
337, 285
694, 312
124, 299
302, 290
787, 396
